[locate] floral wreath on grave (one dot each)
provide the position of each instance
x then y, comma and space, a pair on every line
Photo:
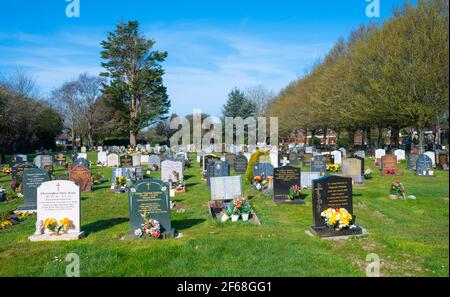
337, 218
397, 190
261, 182
14, 218
333, 167
294, 192
151, 228
57, 227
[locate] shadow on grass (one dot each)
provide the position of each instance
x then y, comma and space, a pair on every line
102, 225
101, 187
185, 224
188, 176
191, 185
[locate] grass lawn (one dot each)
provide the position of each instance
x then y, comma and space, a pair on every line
411, 237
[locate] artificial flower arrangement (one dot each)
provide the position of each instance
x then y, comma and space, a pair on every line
7, 170
120, 182
149, 229
397, 190
239, 207
261, 183
294, 192
333, 167
56, 227
15, 218
337, 219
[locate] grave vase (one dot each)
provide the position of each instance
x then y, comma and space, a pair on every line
234, 218
245, 217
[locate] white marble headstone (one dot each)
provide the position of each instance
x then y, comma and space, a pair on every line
337, 157
379, 153
432, 156
102, 158
226, 187
401, 155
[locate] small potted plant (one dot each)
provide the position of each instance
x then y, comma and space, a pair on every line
397, 190
245, 210
226, 215
236, 214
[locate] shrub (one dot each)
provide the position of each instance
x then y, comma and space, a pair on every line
253, 160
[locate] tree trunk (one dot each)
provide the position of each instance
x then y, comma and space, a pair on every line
133, 137
89, 135
351, 138
338, 137
380, 134
421, 140
394, 136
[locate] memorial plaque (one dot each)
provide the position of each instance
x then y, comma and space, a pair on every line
171, 171
412, 159
318, 164
240, 164
113, 160
352, 168
126, 161
283, 179
331, 192
423, 164
389, 164
58, 200
217, 168
149, 199
81, 176
226, 187
263, 169
32, 179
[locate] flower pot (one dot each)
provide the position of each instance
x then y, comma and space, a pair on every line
393, 197
225, 217
245, 217
234, 218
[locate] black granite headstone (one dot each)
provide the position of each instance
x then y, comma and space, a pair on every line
423, 163
240, 164
149, 199
263, 169
32, 179
283, 179
318, 164
215, 169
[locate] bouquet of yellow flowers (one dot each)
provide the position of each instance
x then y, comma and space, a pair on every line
55, 226
338, 218
333, 167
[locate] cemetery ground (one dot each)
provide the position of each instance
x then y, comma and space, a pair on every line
411, 237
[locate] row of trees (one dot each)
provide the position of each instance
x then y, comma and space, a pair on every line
393, 76
27, 123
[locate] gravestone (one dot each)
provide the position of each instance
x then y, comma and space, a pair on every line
81, 161
230, 158
206, 159
154, 160
389, 164
216, 169
17, 171
332, 192
412, 159
306, 179
144, 159
362, 160
226, 187
379, 153
58, 199
136, 159
343, 152
293, 158
442, 162
60, 158
102, 158
274, 158
170, 169
82, 155
351, 167
401, 155
32, 179
81, 176
423, 165
200, 156
240, 164
83, 149
337, 157
307, 157
126, 161
263, 169
318, 164
264, 159
361, 154
432, 156
283, 179
149, 199
113, 160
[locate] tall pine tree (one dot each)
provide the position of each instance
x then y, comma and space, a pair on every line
238, 105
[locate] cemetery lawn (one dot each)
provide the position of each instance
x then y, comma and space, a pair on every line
411, 237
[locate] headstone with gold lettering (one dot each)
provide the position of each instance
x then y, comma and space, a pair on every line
284, 178
148, 200
333, 192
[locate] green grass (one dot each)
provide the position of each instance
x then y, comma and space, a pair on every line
410, 237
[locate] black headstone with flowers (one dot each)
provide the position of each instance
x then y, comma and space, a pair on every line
333, 207
286, 185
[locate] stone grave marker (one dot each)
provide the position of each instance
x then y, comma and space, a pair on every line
216, 169
59, 200
136, 159
81, 161
306, 179
149, 199
230, 158
423, 165
102, 158
351, 167
263, 169
113, 160
154, 160
81, 176
412, 159
283, 179
170, 169
442, 161
337, 157
32, 179
318, 164
226, 187
240, 164
126, 161
307, 157
432, 156
379, 153
389, 164
361, 154
401, 155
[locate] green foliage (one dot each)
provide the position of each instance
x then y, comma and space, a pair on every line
136, 88
254, 158
238, 105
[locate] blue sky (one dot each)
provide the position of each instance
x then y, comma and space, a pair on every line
212, 45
